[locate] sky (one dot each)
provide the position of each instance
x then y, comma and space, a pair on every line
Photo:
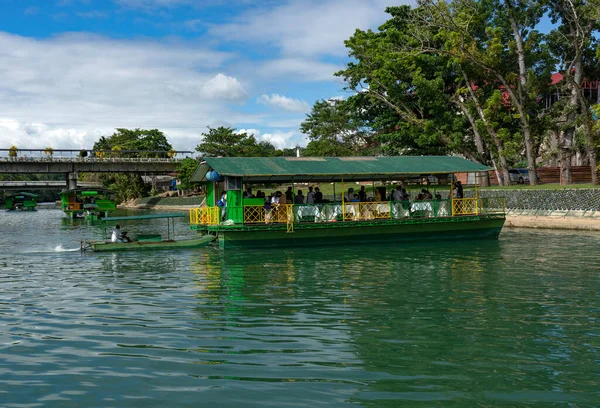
74, 70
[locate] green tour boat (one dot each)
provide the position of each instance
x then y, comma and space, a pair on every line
413, 198
21, 201
117, 240
91, 204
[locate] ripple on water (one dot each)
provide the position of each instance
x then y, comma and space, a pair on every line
512, 322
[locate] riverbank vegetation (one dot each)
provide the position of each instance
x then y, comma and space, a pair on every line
469, 77
124, 143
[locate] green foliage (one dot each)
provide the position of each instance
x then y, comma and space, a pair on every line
137, 139
326, 148
226, 142
185, 171
126, 186
339, 123
130, 186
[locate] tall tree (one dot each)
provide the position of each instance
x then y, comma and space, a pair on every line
150, 143
185, 171
409, 95
226, 142
499, 38
153, 141
573, 44
337, 122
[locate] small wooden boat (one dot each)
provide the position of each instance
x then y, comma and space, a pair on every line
144, 241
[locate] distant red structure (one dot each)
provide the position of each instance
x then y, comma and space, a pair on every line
590, 89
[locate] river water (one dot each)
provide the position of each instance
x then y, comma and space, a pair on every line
511, 322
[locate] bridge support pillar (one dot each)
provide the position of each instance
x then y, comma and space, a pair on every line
71, 179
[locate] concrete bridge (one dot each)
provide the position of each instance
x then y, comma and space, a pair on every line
71, 162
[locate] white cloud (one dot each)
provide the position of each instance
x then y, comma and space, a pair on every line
299, 69
307, 27
39, 135
65, 90
280, 101
253, 132
280, 139
224, 87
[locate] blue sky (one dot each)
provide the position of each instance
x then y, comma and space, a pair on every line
73, 70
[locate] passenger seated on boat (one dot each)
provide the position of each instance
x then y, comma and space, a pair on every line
299, 199
350, 195
397, 194
355, 199
116, 234
271, 204
282, 199
248, 193
426, 194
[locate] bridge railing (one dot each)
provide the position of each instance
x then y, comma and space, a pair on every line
93, 159
90, 155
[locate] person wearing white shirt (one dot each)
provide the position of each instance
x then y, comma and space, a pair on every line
116, 234
397, 195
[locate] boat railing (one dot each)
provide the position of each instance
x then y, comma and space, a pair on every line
205, 215
347, 211
492, 206
465, 206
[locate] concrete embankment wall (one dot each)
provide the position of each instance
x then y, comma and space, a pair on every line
552, 222
575, 209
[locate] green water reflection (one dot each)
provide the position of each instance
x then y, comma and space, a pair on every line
512, 322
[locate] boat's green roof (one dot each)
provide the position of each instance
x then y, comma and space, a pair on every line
333, 168
143, 217
23, 194
99, 190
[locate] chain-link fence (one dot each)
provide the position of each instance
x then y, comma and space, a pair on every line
564, 202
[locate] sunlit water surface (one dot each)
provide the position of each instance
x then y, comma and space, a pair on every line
511, 322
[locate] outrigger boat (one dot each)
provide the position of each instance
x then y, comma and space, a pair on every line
250, 223
91, 204
145, 241
21, 201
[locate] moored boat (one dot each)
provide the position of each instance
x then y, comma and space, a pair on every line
144, 241
91, 204
249, 222
21, 201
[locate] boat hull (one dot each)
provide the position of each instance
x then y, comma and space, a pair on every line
466, 228
101, 246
